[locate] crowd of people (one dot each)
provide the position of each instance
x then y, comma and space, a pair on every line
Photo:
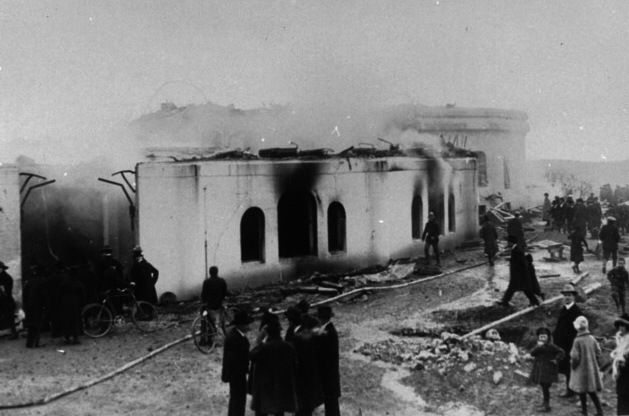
53, 299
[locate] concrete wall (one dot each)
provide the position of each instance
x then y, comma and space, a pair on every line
10, 246
189, 214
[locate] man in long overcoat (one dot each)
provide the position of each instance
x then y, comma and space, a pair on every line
275, 360
519, 277
514, 228
609, 237
546, 209
565, 332
236, 363
71, 300
489, 235
307, 378
145, 276
329, 361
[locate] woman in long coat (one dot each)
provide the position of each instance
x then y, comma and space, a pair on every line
577, 241
620, 369
585, 377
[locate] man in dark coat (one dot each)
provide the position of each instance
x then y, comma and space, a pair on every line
519, 277
329, 361
580, 215
7, 303
293, 315
275, 360
307, 379
72, 295
110, 272
35, 297
514, 228
213, 293
430, 236
236, 363
565, 332
489, 235
144, 275
609, 237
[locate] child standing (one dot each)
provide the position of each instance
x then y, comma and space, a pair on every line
585, 378
619, 278
544, 371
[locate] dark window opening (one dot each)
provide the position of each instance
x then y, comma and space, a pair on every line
297, 224
336, 228
417, 214
451, 214
482, 169
252, 235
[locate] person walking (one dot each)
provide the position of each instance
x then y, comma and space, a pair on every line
489, 235
620, 369
144, 275
514, 228
585, 377
236, 363
213, 293
275, 361
430, 236
544, 371
7, 303
329, 361
530, 268
519, 279
565, 332
609, 237
577, 241
307, 380
619, 279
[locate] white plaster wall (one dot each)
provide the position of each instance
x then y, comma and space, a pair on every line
10, 242
190, 213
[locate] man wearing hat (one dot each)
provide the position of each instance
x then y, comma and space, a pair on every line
620, 367
430, 236
236, 363
293, 315
110, 272
609, 236
144, 275
619, 280
546, 209
565, 332
275, 361
329, 361
514, 228
7, 303
520, 279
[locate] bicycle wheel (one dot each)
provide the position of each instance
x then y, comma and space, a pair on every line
145, 316
97, 320
204, 334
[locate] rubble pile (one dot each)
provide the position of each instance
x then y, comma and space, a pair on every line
450, 353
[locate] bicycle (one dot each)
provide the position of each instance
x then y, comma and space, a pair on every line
99, 318
204, 331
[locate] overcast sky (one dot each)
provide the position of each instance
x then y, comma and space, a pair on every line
70, 70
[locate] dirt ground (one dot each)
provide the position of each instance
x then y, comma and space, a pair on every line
182, 381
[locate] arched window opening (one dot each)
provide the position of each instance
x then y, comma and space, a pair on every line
297, 224
451, 214
417, 214
336, 228
482, 169
252, 235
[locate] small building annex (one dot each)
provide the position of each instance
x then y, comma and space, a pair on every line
265, 221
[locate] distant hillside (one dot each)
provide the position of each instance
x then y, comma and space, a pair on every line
594, 173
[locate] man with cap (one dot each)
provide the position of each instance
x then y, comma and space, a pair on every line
620, 368
619, 280
7, 303
609, 236
514, 228
329, 361
213, 293
236, 363
519, 277
430, 236
275, 362
144, 275
565, 332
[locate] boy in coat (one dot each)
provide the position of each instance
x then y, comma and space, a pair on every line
236, 363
